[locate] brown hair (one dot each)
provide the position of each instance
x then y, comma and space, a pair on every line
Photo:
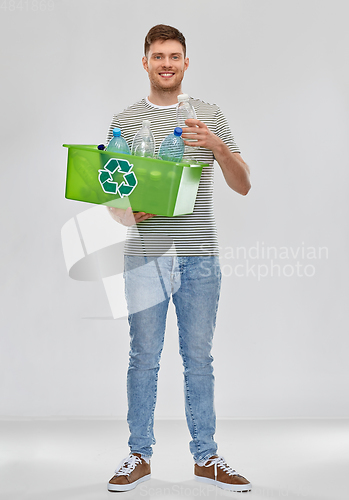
163, 32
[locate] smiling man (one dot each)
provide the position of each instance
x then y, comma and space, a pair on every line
165, 67
175, 257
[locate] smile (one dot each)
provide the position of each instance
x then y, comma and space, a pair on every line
166, 75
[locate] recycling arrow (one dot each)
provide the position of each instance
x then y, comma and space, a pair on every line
107, 182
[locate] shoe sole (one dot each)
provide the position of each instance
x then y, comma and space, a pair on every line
127, 487
225, 486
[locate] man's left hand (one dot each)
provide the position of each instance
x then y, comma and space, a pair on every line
200, 133
235, 170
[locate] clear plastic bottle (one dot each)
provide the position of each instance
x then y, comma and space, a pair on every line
185, 110
144, 142
172, 147
117, 143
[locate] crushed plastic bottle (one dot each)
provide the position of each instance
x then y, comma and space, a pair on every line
172, 147
117, 143
144, 142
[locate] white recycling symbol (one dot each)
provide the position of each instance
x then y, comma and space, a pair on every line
107, 182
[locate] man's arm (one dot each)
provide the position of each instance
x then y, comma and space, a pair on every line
235, 170
128, 217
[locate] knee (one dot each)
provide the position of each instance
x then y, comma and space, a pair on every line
144, 360
198, 365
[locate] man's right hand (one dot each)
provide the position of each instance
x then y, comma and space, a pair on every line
128, 217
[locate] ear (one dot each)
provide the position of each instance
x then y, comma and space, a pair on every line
186, 63
145, 63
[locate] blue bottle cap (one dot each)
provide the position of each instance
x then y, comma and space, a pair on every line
116, 132
101, 147
178, 131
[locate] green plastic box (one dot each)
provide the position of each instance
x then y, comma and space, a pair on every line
118, 180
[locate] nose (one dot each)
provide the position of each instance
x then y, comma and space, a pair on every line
167, 62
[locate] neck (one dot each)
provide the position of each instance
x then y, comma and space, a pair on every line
164, 98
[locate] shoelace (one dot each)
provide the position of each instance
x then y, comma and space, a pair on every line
127, 465
221, 463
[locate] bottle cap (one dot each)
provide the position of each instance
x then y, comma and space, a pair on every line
116, 132
146, 123
101, 147
178, 131
183, 97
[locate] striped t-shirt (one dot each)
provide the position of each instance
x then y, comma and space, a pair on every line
183, 235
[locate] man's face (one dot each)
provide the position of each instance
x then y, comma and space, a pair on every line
165, 64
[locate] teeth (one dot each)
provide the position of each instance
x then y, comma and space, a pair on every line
166, 74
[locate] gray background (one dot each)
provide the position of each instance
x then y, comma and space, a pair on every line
278, 69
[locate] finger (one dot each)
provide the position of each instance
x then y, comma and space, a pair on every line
191, 137
193, 121
192, 143
142, 216
148, 216
137, 217
190, 131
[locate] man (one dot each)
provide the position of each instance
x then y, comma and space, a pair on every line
178, 257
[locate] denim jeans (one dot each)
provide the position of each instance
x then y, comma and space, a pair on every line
194, 284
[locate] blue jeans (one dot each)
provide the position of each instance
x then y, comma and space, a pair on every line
194, 283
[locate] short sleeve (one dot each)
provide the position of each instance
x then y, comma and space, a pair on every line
223, 132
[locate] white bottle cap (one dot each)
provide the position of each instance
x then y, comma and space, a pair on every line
183, 97
146, 123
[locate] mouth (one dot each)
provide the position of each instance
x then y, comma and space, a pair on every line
166, 74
